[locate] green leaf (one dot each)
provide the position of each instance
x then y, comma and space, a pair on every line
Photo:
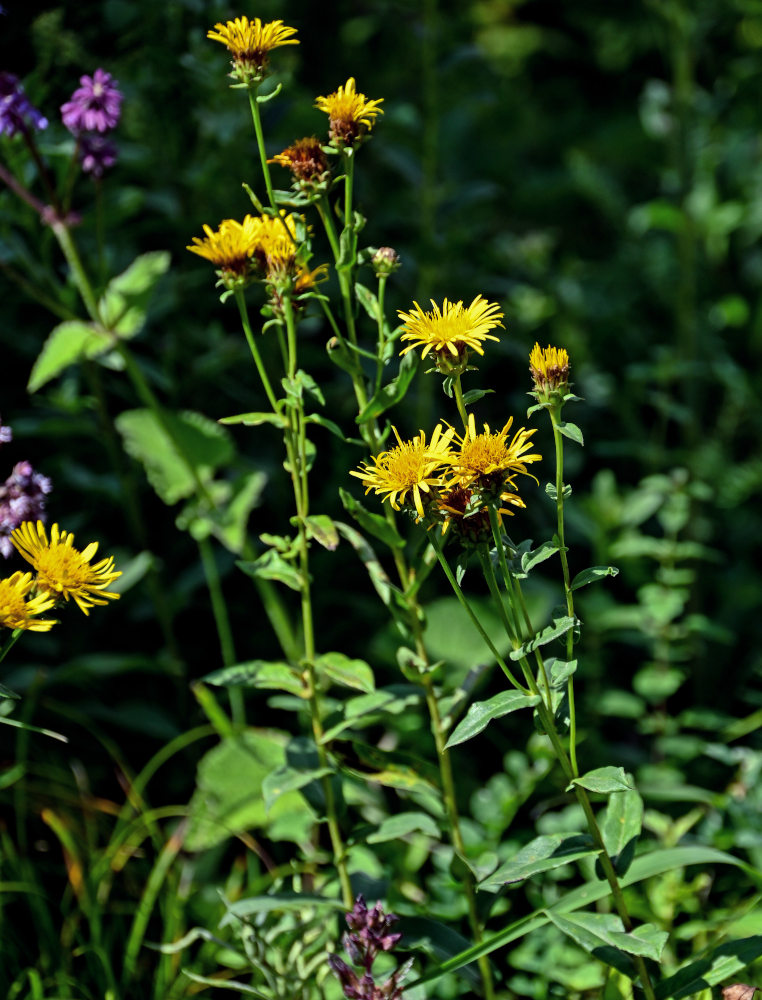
363, 710
228, 798
391, 768
255, 419
276, 902
481, 713
288, 779
538, 555
67, 343
345, 671
323, 530
450, 633
378, 577
374, 524
367, 300
270, 675
559, 671
272, 566
592, 574
474, 395
233, 503
172, 448
572, 432
551, 491
317, 418
541, 855
621, 826
599, 933
5, 692
403, 824
605, 780
559, 627
124, 304
391, 393
710, 970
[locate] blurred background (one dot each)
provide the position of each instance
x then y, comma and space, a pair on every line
593, 167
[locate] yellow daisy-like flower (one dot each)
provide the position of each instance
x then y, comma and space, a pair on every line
450, 332
350, 114
250, 42
275, 244
231, 247
64, 572
489, 459
18, 612
549, 368
412, 467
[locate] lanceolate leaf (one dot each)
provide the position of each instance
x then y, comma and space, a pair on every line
392, 393
599, 933
343, 670
559, 627
481, 713
592, 574
572, 432
394, 827
541, 855
709, 970
374, 524
266, 674
272, 566
621, 827
605, 780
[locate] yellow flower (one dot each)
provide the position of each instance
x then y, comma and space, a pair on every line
450, 332
64, 572
275, 244
231, 247
410, 467
18, 612
250, 42
489, 459
549, 368
350, 114
307, 280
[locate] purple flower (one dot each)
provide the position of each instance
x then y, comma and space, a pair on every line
22, 498
6, 434
16, 113
369, 935
96, 154
95, 106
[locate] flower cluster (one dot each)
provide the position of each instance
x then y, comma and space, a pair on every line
452, 479
16, 113
22, 498
264, 248
370, 933
93, 111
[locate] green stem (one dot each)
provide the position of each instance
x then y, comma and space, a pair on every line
12, 640
471, 613
241, 303
459, 401
382, 279
558, 439
257, 118
222, 622
69, 250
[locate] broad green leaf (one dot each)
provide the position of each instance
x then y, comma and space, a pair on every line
592, 574
374, 524
481, 713
474, 395
323, 530
228, 799
68, 342
392, 700
265, 674
367, 300
345, 671
559, 627
124, 304
396, 827
272, 566
538, 555
572, 432
605, 780
390, 394
621, 826
172, 448
728, 960
541, 855
559, 671
600, 933
288, 779
255, 419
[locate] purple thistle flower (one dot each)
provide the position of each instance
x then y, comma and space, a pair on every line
95, 106
96, 154
22, 498
16, 113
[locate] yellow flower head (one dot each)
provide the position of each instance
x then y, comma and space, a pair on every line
305, 159
276, 247
64, 572
230, 248
489, 460
250, 42
450, 332
549, 368
18, 612
412, 467
350, 115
